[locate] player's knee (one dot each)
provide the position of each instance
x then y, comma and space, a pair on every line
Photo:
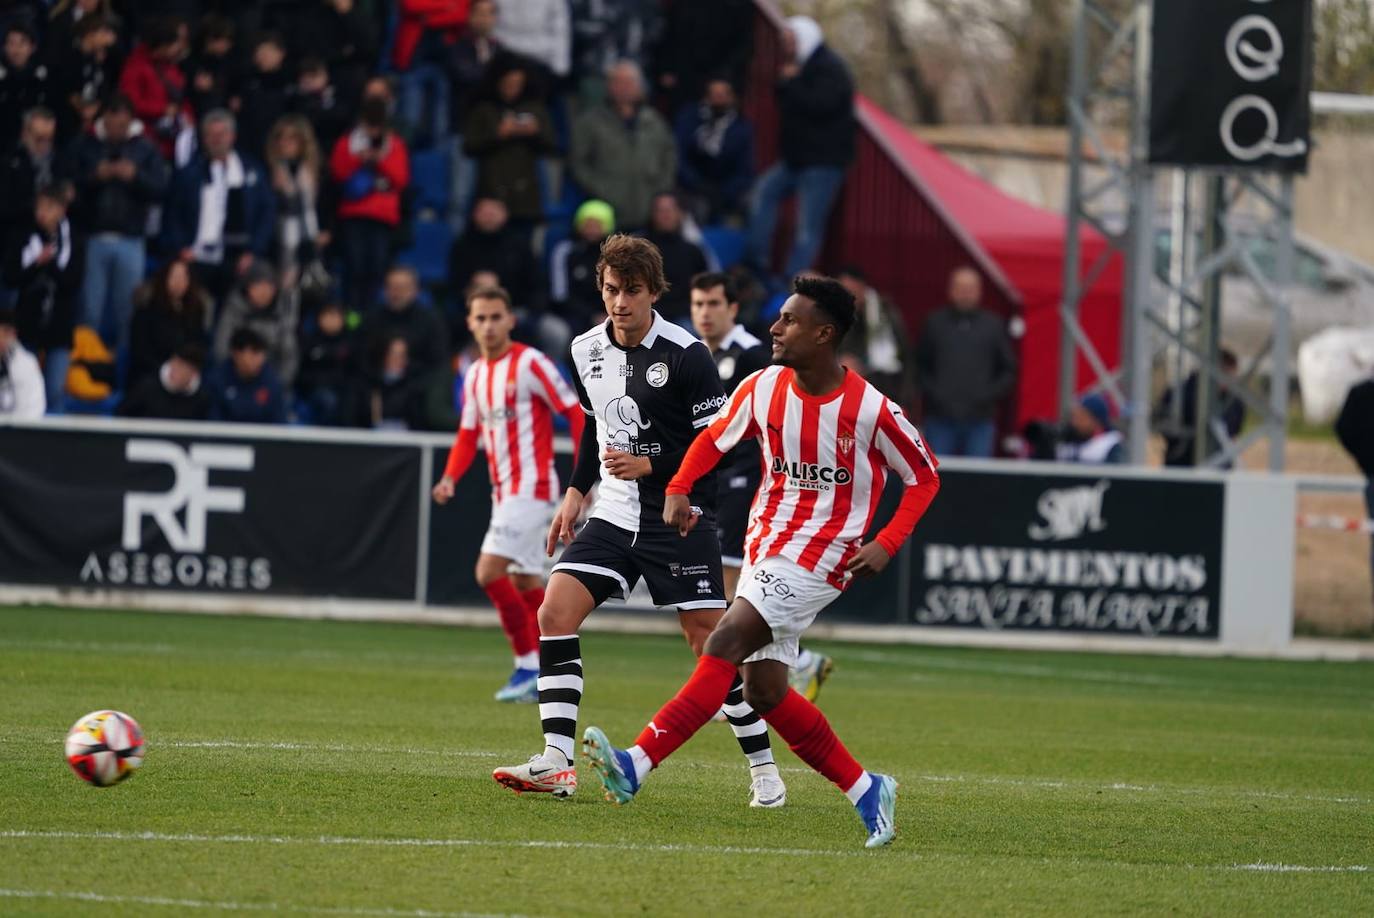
554, 622
763, 695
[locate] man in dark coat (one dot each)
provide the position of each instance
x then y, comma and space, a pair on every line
966, 366
29, 167
715, 154
683, 259
25, 81
817, 133
403, 315
176, 392
491, 244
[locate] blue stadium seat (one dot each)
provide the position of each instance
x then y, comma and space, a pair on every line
429, 254
726, 242
98, 406
429, 176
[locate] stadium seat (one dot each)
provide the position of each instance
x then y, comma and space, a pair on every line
96, 406
726, 242
429, 253
429, 175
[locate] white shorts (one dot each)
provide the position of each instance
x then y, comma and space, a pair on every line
789, 597
519, 530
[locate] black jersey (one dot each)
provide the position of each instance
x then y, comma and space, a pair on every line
739, 354
650, 400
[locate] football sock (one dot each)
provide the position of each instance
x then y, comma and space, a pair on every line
749, 728
695, 704
560, 692
511, 608
860, 787
806, 730
533, 600
527, 660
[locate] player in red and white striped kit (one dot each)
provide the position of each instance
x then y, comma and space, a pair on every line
828, 440
510, 396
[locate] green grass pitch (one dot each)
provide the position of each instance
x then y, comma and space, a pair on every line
344, 768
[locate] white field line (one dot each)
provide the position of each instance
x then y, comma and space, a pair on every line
329, 840
231, 906
974, 780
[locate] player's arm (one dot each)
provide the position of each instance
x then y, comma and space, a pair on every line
464, 448
734, 423
905, 453
585, 471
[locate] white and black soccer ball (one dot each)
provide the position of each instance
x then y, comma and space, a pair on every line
105, 747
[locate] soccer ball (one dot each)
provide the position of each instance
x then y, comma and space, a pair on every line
105, 747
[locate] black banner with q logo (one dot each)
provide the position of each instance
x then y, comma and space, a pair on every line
1231, 84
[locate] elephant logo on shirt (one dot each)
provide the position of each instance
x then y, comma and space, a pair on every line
624, 421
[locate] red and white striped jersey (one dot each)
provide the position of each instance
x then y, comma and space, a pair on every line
825, 461
512, 401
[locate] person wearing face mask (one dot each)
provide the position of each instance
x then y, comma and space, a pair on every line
817, 130
715, 154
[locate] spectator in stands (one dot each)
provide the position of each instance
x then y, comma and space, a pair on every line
1092, 438
44, 265
171, 310
341, 34
85, 71
273, 311
540, 30
878, 345
406, 317
22, 393
245, 388
293, 158
466, 66
715, 150
211, 67
1355, 430
606, 32
372, 166
220, 213
263, 93
325, 379
119, 175
393, 395
426, 31
153, 79
28, 168
507, 132
683, 259
315, 98
490, 244
702, 43
817, 129
175, 392
573, 270
67, 16
965, 366
1179, 439
622, 151
25, 81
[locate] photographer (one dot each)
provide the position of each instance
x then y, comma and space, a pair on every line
372, 168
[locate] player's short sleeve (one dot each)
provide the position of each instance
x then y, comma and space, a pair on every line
902, 448
469, 419
736, 421
699, 383
550, 385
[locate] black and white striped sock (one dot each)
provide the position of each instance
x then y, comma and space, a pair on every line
748, 727
560, 692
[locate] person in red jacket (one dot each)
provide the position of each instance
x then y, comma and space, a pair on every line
372, 168
154, 82
424, 33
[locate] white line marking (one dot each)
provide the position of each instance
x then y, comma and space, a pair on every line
424, 843
585, 845
1300, 868
231, 906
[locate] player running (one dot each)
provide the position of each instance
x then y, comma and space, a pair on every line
828, 439
715, 309
510, 394
649, 386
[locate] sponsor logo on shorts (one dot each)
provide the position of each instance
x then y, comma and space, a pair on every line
703, 586
772, 585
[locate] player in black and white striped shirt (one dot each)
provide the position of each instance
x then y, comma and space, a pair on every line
648, 386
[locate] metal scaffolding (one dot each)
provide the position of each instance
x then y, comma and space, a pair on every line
1172, 317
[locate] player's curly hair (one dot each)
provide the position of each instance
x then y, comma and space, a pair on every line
633, 258
831, 297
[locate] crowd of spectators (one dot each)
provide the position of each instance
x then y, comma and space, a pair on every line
213, 209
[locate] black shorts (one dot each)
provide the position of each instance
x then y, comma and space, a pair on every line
680, 572
734, 497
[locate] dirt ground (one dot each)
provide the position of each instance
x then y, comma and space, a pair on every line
1332, 591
